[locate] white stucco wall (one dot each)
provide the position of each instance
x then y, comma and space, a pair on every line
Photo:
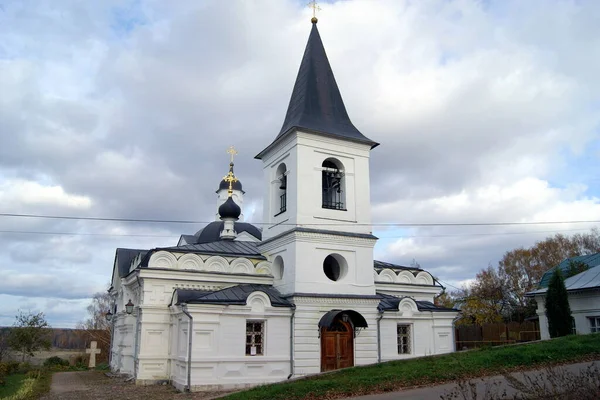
303, 154
583, 305
219, 359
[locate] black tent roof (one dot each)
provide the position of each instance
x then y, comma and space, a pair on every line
316, 103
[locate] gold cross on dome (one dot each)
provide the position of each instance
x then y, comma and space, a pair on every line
231, 179
232, 151
315, 7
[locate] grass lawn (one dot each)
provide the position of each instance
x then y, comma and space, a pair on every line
394, 375
13, 383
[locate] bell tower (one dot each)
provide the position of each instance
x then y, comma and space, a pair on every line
317, 194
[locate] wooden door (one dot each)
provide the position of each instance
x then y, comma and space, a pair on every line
337, 346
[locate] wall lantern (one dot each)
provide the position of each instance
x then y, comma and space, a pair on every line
108, 316
129, 307
345, 317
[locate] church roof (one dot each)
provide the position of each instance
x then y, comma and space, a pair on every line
236, 248
591, 260
316, 103
235, 295
224, 185
390, 303
212, 231
586, 280
123, 259
380, 265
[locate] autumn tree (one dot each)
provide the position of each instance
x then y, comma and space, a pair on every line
499, 293
445, 299
557, 306
484, 301
29, 334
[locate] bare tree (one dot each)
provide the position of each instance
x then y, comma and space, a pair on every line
96, 322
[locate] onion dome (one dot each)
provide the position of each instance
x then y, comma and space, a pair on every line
230, 210
224, 185
235, 184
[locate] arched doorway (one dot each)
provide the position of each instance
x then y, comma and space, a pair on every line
337, 328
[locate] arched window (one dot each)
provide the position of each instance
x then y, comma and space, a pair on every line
333, 184
278, 268
281, 190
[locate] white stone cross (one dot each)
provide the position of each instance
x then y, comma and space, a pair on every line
92, 351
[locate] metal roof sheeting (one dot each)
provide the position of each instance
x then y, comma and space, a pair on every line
221, 247
591, 260
235, 295
391, 303
585, 280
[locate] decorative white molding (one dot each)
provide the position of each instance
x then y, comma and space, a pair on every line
407, 307
217, 264
162, 259
264, 268
258, 302
424, 278
190, 261
241, 266
406, 277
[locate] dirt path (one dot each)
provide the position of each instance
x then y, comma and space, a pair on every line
95, 385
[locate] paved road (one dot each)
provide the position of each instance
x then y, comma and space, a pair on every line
434, 392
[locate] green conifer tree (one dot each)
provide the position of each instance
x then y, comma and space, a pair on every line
557, 306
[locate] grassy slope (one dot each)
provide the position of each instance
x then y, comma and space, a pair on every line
427, 370
13, 383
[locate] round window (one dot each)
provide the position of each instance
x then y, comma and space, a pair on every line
334, 267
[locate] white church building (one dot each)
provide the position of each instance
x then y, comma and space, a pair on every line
234, 305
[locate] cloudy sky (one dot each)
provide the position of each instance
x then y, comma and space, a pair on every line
486, 111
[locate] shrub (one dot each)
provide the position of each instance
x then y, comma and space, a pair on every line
55, 361
23, 368
4, 369
13, 366
3, 372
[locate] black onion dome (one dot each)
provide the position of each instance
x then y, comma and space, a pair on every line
229, 209
237, 185
212, 231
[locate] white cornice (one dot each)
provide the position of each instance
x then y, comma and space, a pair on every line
207, 277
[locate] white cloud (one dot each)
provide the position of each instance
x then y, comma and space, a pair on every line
28, 194
480, 107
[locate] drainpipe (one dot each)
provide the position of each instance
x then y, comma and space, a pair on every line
136, 344
189, 355
379, 336
292, 342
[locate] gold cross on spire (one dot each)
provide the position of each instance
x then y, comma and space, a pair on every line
315, 7
230, 177
232, 151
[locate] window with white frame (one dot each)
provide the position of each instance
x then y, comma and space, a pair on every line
595, 324
404, 339
255, 338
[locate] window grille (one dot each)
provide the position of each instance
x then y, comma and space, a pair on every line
404, 339
332, 187
283, 203
595, 324
255, 338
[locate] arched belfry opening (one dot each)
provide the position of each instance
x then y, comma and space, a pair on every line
333, 184
337, 329
281, 189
